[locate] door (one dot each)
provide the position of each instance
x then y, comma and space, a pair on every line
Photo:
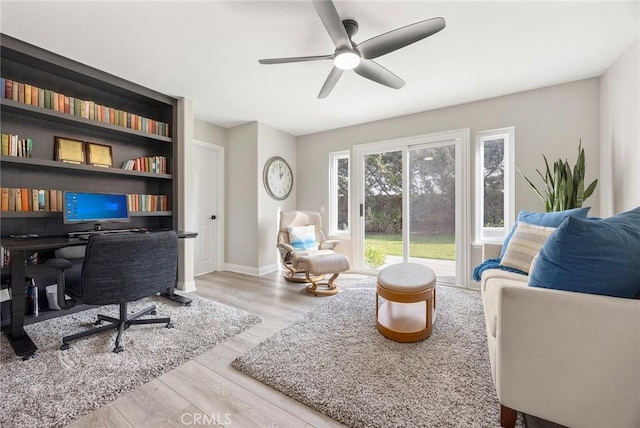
411, 195
208, 164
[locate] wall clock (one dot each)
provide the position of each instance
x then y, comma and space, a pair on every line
278, 178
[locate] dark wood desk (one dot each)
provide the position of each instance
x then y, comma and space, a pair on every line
20, 249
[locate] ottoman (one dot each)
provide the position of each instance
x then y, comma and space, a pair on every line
315, 266
409, 310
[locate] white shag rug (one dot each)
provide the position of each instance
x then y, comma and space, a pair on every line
335, 361
56, 387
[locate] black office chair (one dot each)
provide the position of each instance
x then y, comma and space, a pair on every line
122, 268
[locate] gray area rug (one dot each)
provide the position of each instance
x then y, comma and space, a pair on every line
57, 387
335, 361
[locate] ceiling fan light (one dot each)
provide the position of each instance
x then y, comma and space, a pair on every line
347, 60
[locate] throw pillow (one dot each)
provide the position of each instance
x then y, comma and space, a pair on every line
303, 237
592, 256
524, 245
551, 219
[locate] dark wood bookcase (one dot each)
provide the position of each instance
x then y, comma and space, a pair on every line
23, 62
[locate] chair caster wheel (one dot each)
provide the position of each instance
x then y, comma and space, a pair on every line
64, 346
118, 349
153, 312
187, 304
99, 322
169, 325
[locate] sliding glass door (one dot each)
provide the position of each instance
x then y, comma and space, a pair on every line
409, 201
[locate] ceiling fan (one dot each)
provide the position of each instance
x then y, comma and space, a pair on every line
359, 57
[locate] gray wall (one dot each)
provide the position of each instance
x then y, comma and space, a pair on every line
210, 133
620, 133
549, 120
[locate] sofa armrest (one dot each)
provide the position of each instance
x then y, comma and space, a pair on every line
330, 244
571, 358
491, 250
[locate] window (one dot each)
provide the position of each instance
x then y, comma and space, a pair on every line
339, 193
494, 184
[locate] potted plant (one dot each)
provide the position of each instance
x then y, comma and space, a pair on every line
564, 187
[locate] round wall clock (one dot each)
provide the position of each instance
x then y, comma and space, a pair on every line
278, 178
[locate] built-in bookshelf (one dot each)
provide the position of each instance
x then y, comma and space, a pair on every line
76, 103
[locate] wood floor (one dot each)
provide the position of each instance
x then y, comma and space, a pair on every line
207, 390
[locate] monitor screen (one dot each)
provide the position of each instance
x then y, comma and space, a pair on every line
94, 207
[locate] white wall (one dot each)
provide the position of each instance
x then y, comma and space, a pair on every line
241, 199
210, 133
549, 120
620, 133
272, 142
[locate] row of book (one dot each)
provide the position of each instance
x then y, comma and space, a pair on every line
21, 199
46, 98
147, 203
157, 164
12, 145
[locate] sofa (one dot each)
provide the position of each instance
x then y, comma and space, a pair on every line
567, 357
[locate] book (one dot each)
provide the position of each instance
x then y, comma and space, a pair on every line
2, 86
5, 145
41, 93
59, 196
12, 199
18, 200
53, 201
47, 205
8, 89
34, 200
41, 200
47, 98
24, 197
20, 92
4, 199
27, 93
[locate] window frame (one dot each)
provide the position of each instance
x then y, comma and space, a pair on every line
495, 234
334, 158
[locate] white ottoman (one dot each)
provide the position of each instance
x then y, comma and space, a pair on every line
409, 310
315, 265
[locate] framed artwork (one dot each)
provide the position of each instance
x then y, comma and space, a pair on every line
69, 150
99, 155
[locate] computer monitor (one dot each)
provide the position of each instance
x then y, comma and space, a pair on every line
80, 207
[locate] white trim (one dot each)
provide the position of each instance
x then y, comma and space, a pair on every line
220, 200
334, 157
186, 286
250, 270
463, 193
508, 134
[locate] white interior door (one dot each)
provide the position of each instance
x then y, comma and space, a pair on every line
208, 177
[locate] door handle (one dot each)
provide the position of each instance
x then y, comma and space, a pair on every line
213, 217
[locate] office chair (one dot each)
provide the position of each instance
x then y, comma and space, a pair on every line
122, 268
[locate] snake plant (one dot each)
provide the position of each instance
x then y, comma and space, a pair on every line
564, 188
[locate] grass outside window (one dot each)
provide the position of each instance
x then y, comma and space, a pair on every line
439, 247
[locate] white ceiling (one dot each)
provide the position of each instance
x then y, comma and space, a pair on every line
208, 51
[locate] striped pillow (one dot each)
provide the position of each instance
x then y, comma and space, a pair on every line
303, 237
524, 245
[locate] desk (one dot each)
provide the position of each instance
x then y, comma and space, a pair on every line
20, 249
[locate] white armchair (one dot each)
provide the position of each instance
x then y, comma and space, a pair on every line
566, 357
289, 254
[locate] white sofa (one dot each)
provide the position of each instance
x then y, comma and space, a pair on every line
566, 357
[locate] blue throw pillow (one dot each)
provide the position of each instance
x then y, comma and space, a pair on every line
592, 256
550, 219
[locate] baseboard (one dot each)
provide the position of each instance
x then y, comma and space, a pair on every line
186, 286
250, 270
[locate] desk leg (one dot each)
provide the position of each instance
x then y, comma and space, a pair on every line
20, 341
170, 294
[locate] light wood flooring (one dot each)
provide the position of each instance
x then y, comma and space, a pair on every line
207, 387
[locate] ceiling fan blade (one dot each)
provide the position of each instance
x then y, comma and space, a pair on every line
331, 81
331, 20
295, 59
399, 38
374, 71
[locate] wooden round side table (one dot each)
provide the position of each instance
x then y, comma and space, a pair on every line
409, 309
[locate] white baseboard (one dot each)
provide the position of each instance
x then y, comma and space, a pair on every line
186, 286
250, 270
